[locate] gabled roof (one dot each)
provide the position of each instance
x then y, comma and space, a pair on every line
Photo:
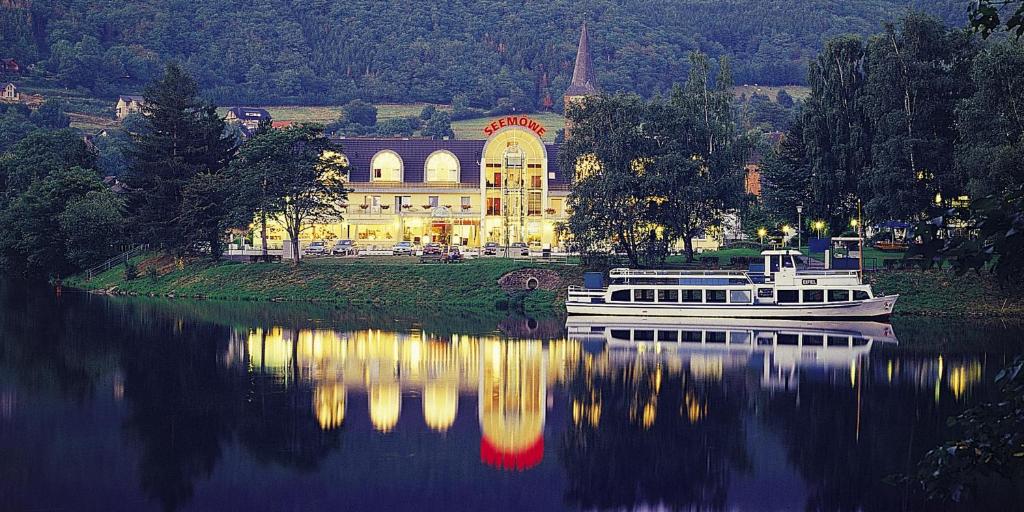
249, 113
127, 98
584, 81
10, 84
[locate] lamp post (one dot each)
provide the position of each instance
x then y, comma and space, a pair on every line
785, 233
761, 232
799, 227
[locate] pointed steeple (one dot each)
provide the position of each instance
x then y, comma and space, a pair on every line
584, 81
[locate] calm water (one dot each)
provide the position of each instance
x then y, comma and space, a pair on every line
131, 404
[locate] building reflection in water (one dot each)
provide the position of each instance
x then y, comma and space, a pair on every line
510, 379
513, 380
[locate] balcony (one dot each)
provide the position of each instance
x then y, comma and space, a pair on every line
357, 212
416, 186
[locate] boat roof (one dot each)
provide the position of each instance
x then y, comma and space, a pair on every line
631, 272
781, 252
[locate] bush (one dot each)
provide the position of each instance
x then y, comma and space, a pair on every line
152, 273
131, 271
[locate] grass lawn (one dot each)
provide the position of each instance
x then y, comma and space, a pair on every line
474, 128
798, 92
472, 285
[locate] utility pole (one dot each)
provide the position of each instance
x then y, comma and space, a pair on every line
799, 227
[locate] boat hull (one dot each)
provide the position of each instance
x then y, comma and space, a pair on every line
878, 307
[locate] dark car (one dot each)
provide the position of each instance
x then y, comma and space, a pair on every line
453, 255
519, 248
491, 248
432, 248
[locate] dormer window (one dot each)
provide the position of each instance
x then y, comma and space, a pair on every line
442, 166
386, 166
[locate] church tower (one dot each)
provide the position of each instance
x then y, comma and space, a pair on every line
584, 81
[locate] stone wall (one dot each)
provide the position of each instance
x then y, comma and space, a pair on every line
530, 279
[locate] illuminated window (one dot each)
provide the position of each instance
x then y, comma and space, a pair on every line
386, 166
442, 166
533, 207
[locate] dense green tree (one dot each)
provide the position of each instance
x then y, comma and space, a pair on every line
33, 242
50, 115
836, 132
41, 153
703, 174
331, 51
93, 227
614, 196
14, 126
184, 138
915, 74
786, 177
990, 121
438, 126
397, 127
294, 175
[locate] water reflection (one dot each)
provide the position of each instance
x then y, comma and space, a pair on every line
163, 406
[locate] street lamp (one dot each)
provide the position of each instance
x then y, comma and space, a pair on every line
785, 232
799, 227
761, 232
853, 223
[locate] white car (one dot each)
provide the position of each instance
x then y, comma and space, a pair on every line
403, 248
316, 248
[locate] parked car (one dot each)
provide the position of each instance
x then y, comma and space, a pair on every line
536, 247
316, 248
433, 248
403, 248
343, 248
453, 255
491, 248
519, 248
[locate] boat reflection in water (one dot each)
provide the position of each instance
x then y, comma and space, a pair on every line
782, 346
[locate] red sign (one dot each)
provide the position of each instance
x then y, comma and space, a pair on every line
521, 121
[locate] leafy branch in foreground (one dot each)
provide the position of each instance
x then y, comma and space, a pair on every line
991, 445
988, 16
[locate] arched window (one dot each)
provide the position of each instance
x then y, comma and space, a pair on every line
442, 166
386, 166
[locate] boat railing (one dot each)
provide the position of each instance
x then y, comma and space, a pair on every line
626, 272
803, 272
583, 289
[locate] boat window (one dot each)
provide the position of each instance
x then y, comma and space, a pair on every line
692, 337
788, 296
739, 337
838, 295
860, 342
668, 336
643, 335
814, 295
814, 340
693, 295
765, 339
716, 337
620, 334
668, 295
789, 339
739, 296
620, 296
838, 341
717, 296
787, 262
643, 295
860, 295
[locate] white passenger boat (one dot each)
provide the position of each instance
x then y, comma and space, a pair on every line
779, 290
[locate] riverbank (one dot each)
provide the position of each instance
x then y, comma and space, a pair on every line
473, 286
392, 281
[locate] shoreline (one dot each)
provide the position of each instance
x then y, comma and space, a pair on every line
481, 285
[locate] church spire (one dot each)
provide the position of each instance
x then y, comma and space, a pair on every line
584, 82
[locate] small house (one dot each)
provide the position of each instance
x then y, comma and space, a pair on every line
10, 66
127, 105
10, 93
249, 118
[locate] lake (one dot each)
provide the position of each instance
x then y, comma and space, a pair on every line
146, 404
